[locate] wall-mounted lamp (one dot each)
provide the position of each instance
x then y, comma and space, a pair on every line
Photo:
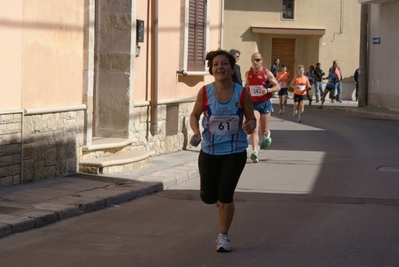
138, 48
139, 35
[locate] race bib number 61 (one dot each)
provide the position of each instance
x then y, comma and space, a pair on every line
224, 125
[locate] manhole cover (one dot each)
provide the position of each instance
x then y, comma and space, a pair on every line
388, 169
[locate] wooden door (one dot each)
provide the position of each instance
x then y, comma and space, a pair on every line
284, 49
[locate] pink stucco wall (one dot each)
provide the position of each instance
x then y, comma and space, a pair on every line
171, 85
42, 60
10, 54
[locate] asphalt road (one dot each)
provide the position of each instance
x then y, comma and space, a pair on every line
324, 194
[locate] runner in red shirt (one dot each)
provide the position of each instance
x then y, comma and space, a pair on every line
255, 81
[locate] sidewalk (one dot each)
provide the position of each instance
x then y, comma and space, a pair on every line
39, 203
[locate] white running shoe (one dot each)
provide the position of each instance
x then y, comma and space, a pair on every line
299, 118
223, 243
295, 113
280, 112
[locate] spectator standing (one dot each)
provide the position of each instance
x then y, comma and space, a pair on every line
237, 70
223, 150
275, 67
318, 79
356, 78
309, 74
255, 80
338, 83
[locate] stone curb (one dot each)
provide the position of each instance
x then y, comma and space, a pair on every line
367, 112
80, 203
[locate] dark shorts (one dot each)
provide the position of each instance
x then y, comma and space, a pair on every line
330, 87
299, 98
219, 175
283, 91
264, 107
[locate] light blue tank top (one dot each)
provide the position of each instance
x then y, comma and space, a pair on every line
222, 123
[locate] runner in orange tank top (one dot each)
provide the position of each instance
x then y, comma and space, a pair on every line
301, 85
283, 79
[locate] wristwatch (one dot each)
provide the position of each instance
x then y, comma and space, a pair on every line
268, 90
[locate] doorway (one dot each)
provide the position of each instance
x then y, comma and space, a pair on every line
284, 49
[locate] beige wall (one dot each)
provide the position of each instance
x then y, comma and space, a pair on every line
309, 14
383, 60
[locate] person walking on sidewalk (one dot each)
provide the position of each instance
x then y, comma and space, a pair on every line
255, 80
223, 152
283, 79
318, 73
301, 85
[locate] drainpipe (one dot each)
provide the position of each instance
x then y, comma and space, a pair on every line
341, 22
221, 24
363, 57
154, 68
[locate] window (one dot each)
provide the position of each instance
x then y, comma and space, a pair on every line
288, 9
196, 35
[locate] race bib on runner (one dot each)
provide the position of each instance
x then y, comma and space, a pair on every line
224, 125
282, 84
301, 87
256, 90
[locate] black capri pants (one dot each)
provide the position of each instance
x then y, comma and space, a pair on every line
219, 175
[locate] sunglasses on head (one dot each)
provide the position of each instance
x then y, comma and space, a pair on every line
256, 59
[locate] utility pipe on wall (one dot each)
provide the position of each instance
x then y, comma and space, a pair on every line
221, 24
154, 68
364, 55
341, 22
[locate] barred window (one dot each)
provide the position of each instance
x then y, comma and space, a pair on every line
288, 9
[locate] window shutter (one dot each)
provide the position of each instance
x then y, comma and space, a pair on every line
196, 35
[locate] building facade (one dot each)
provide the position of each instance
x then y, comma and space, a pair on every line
296, 32
380, 54
87, 80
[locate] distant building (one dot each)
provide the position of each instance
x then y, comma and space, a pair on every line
381, 54
297, 32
